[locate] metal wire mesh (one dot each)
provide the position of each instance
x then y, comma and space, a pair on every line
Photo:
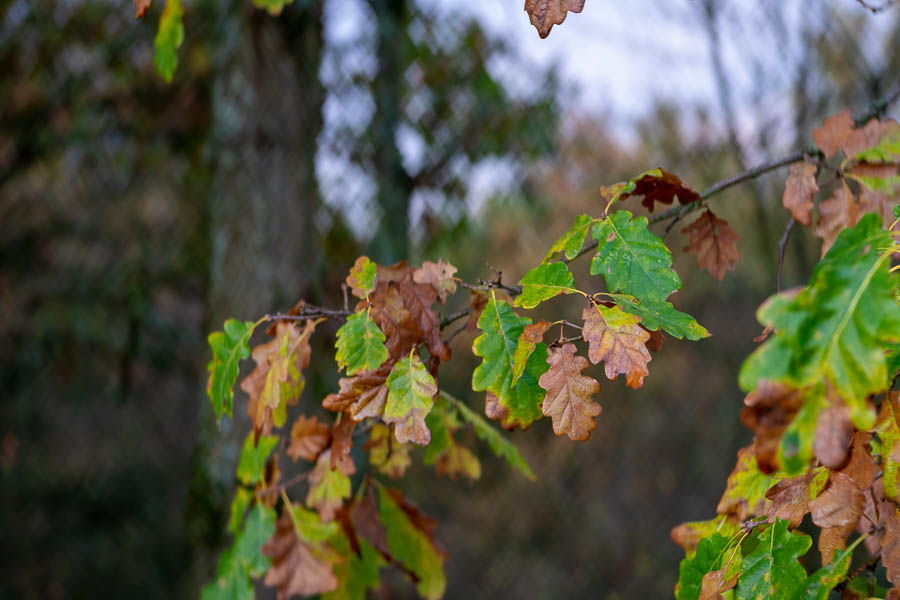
137, 216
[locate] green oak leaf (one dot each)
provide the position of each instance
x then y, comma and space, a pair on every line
662, 315
411, 392
252, 464
412, 547
632, 259
244, 559
543, 282
169, 37
362, 277
228, 348
360, 344
888, 430
498, 444
357, 573
838, 327
712, 554
309, 525
571, 241
501, 328
242, 499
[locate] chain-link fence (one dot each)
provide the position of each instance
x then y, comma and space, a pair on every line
136, 216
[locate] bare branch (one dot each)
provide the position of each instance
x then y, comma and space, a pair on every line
782, 244
876, 9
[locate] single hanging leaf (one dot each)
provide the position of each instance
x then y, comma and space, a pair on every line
658, 185
531, 336
498, 444
571, 242
360, 344
833, 133
543, 282
327, 487
662, 315
439, 275
710, 556
362, 277
410, 538
616, 338
228, 348
302, 564
411, 392
714, 242
277, 381
790, 497
387, 455
309, 438
838, 327
889, 433
496, 345
252, 464
140, 8
633, 260
544, 14
799, 191
169, 37
569, 394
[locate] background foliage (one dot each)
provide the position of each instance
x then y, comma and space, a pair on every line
131, 207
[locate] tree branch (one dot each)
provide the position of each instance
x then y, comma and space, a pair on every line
782, 244
876, 9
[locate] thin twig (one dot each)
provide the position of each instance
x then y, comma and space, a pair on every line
876, 9
312, 312
455, 333
290, 482
878, 106
675, 219
782, 244
346, 297
456, 316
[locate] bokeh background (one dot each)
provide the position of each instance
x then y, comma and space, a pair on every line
136, 216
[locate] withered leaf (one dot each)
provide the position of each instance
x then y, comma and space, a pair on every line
868, 135
362, 395
840, 504
890, 543
386, 454
616, 338
494, 410
277, 381
768, 411
799, 191
836, 214
140, 8
366, 521
790, 497
715, 583
659, 185
298, 568
833, 133
568, 401
531, 336
544, 14
834, 432
342, 440
439, 275
477, 302
714, 242
309, 437
861, 468
833, 539
655, 343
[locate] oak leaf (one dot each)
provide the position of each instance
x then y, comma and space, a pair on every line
799, 190
444, 452
888, 428
790, 497
659, 185
439, 275
299, 567
360, 344
768, 411
543, 282
496, 411
362, 395
387, 455
568, 400
411, 392
309, 438
840, 504
531, 336
833, 133
745, 492
362, 278
616, 338
834, 432
277, 381
477, 302
714, 242
544, 14
342, 440
169, 37
835, 215
571, 242
328, 487
688, 535
140, 8
229, 347
869, 137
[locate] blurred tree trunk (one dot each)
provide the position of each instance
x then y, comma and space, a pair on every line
267, 114
391, 242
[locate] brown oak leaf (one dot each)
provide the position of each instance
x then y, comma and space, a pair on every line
714, 584
714, 242
836, 214
868, 135
362, 395
861, 467
387, 454
655, 343
309, 437
840, 504
799, 190
439, 275
890, 544
297, 568
342, 440
833, 539
616, 338
494, 410
834, 432
277, 381
140, 8
662, 186
790, 497
833, 133
544, 14
477, 302
768, 411
568, 401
